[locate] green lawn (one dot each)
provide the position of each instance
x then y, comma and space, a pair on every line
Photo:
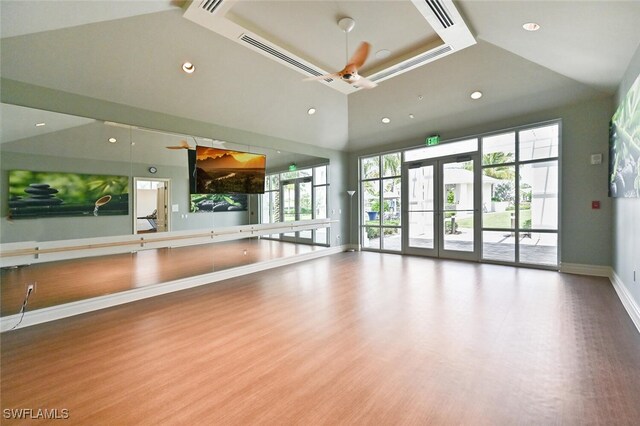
496, 220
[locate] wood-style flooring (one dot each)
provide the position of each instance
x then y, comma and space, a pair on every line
77, 279
352, 338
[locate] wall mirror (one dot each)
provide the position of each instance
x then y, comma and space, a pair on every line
120, 180
110, 159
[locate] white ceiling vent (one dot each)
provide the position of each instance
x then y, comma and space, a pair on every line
210, 5
410, 64
283, 56
441, 13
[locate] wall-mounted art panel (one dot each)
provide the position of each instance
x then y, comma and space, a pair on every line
222, 171
46, 194
218, 202
624, 146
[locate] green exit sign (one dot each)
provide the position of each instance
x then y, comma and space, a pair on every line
293, 167
433, 140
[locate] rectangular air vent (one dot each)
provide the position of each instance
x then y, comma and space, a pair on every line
441, 12
411, 63
210, 5
282, 56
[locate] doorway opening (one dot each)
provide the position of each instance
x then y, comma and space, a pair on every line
151, 206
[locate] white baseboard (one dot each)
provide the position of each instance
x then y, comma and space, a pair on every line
625, 297
581, 269
83, 306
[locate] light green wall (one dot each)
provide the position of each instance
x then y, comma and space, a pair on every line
626, 213
19, 93
586, 233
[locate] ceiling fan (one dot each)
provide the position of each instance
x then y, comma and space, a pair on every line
183, 145
350, 72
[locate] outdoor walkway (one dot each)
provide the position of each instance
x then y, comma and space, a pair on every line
537, 249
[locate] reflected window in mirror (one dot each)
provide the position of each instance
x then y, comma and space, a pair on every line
297, 195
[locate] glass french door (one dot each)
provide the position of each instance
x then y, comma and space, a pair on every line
441, 212
297, 202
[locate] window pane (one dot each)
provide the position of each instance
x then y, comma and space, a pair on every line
305, 234
370, 167
320, 236
371, 212
421, 186
498, 197
289, 202
499, 246
391, 203
539, 195
275, 182
499, 149
449, 148
458, 185
421, 229
275, 206
265, 212
391, 165
458, 231
306, 210
320, 175
539, 248
371, 237
391, 239
321, 202
541, 142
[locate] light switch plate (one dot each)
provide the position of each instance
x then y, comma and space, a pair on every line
596, 159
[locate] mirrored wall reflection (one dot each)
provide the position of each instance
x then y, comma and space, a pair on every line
121, 272
67, 177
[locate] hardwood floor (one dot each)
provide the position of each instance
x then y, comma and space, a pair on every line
78, 279
353, 338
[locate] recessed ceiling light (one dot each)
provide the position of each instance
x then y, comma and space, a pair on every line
420, 97
412, 116
531, 26
386, 120
383, 53
476, 95
40, 124
188, 67
113, 140
311, 111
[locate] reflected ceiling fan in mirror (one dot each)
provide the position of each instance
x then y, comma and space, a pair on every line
349, 73
183, 145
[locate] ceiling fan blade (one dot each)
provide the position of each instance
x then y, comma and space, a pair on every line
365, 83
323, 77
360, 56
183, 145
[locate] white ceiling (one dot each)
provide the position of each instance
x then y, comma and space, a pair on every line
130, 53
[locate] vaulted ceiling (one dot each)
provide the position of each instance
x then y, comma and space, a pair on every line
130, 52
